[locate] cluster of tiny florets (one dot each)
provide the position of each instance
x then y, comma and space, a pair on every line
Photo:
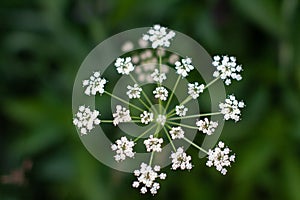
158, 77
206, 126
124, 148
146, 177
219, 158
231, 108
146, 117
94, 84
181, 110
134, 91
177, 133
121, 115
227, 68
124, 65
86, 119
159, 36
184, 67
153, 144
194, 89
161, 119
161, 93
180, 160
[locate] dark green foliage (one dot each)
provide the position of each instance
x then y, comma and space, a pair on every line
43, 44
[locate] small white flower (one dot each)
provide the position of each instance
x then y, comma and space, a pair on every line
181, 110
158, 77
161, 119
86, 119
124, 65
146, 117
123, 147
194, 89
219, 158
231, 108
177, 133
206, 126
153, 144
159, 36
94, 84
146, 176
181, 160
134, 91
161, 93
121, 115
227, 69
184, 67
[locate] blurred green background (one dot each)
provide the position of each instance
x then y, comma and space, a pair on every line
43, 44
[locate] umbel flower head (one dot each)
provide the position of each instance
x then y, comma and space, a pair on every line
158, 109
227, 68
124, 148
121, 115
159, 36
180, 160
146, 177
94, 84
134, 92
184, 67
220, 158
86, 119
124, 65
206, 126
231, 108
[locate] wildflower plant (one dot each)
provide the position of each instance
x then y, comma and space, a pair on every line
156, 119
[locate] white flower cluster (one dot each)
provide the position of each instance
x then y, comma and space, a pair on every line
227, 68
121, 115
147, 71
184, 67
123, 147
161, 93
181, 110
94, 84
146, 117
177, 133
220, 158
158, 77
159, 36
124, 65
134, 91
231, 108
194, 89
147, 177
181, 160
206, 126
153, 144
86, 119
161, 119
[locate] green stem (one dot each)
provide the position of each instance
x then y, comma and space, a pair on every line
143, 93
169, 138
174, 88
144, 133
151, 158
195, 145
193, 116
122, 100
212, 82
183, 125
